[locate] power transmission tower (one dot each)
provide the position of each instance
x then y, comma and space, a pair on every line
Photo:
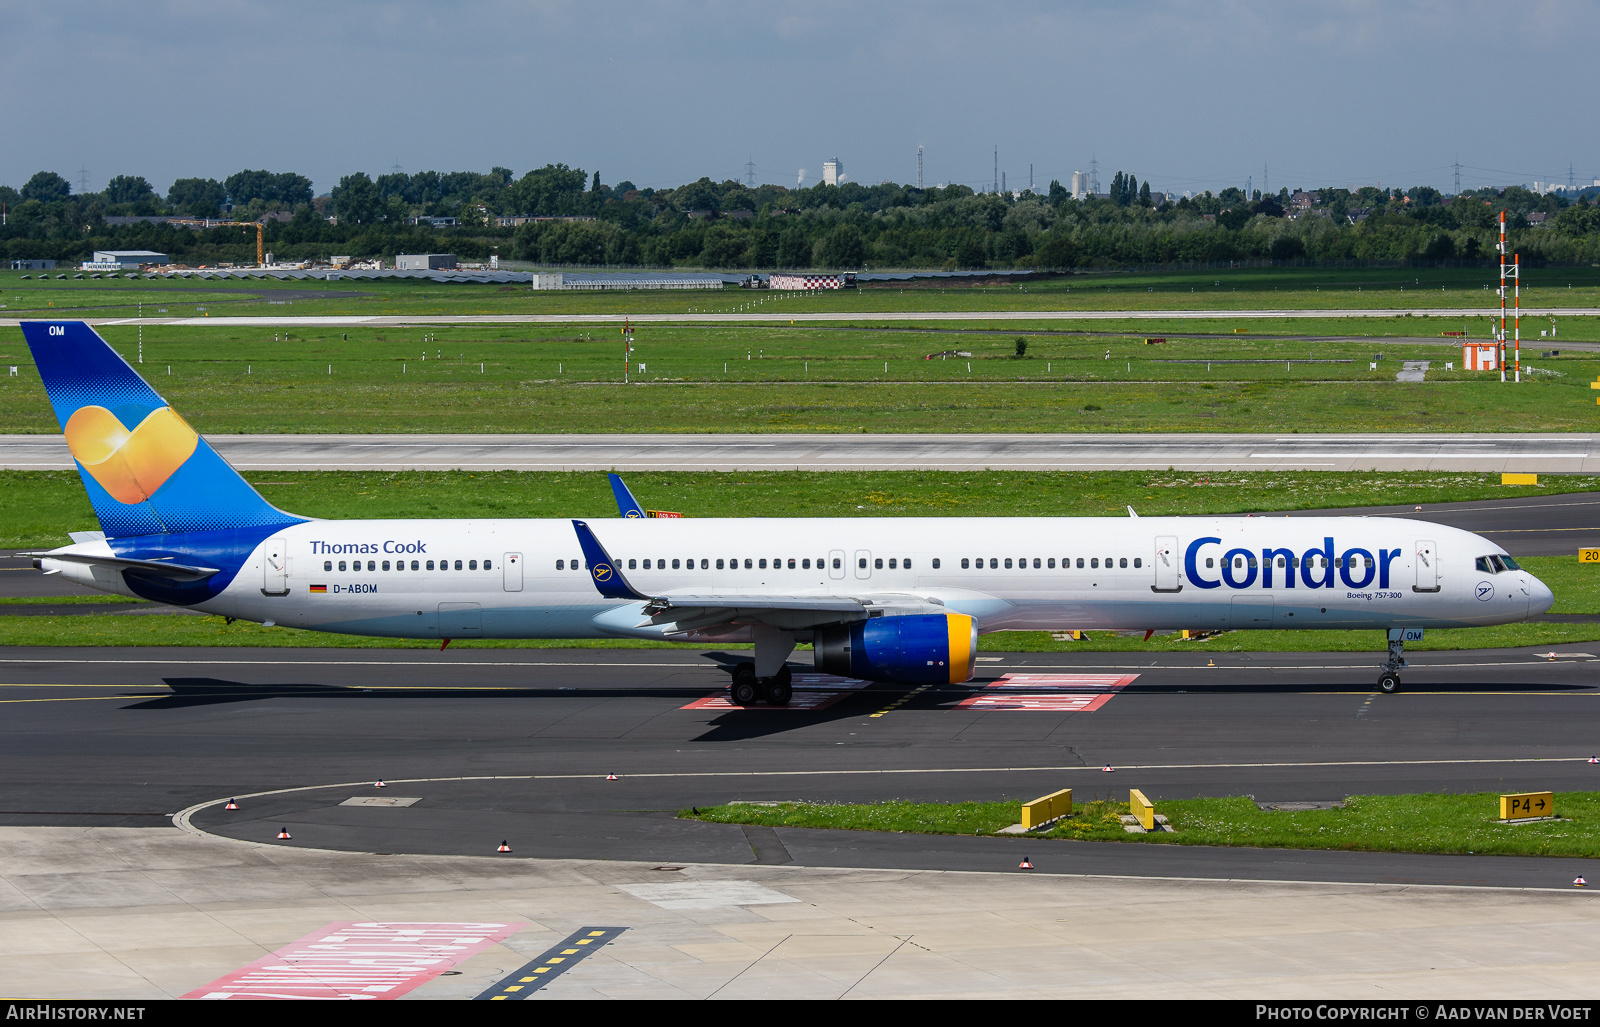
1030, 176
750, 171
395, 168
1457, 166
83, 180
1572, 182
919, 167
1265, 188
1094, 174
997, 168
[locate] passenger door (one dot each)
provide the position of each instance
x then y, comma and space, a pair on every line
275, 567
511, 568
1166, 563
1427, 560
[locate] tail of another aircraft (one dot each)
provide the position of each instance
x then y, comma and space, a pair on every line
147, 472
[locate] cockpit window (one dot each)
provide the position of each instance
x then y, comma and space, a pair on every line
1484, 565
1511, 565
1499, 564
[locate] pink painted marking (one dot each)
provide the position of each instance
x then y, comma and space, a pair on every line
1081, 703
798, 701
1066, 682
358, 961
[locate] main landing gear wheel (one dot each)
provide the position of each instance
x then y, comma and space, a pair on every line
1389, 683
745, 691
779, 688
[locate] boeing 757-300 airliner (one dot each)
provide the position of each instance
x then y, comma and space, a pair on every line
887, 599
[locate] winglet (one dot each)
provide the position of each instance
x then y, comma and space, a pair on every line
626, 504
603, 571
1132, 512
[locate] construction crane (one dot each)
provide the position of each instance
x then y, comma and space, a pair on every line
261, 258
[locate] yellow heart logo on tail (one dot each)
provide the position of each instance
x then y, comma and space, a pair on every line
130, 465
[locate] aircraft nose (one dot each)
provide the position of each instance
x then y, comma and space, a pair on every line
1540, 597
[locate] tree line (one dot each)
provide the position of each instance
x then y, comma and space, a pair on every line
731, 225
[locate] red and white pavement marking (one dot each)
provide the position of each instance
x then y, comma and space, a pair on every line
811, 692
358, 961
1066, 682
1080, 703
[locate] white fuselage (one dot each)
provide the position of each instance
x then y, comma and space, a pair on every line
526, 578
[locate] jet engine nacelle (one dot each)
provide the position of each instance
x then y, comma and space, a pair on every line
938, 648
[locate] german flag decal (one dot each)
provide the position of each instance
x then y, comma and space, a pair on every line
319, 588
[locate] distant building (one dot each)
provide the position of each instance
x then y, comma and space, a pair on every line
831, 171
425, 262
124, 260
437, 222
1303, 200
1080, 185
33, 265
1538, 217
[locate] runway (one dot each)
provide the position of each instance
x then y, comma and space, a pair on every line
1537, 453
518, 744
803, 317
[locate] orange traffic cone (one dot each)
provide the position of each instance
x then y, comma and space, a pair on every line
611, 777
283, 834
231, 805
1107, 769
1025, 865
1594, 759
503, 848
379, 783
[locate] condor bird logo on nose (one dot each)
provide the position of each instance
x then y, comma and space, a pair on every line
1485, 591
602, 572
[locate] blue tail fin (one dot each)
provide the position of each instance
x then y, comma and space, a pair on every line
147, 472
626, 504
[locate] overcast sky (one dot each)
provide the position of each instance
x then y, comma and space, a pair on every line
1188, 95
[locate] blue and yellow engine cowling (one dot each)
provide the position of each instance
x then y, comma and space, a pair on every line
925, 649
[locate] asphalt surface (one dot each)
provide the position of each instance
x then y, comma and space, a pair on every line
1537, 453
517, 745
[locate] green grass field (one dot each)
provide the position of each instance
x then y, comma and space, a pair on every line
1460, 824
1222, 289
531, 378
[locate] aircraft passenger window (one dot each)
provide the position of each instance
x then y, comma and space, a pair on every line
836, 563
1208, 562
1510, 564
936, 563
414, 565
719, 565
1280, 563
906, 564
341, 564
327, 565
705, 564
458, 564
791, 563
747, 563
675, 565
994, 563
891, 563
372, 565
1137, 562
1080, 563
633, 564
472, 565
1008, 563
386, 565
964, 564
862, 563
486, 566
647, 563
1123, 562
805, 564
1051, 563
1094, 562
430, 565
877, 563
761, 565
1036, 563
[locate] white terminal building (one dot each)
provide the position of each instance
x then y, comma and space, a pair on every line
124, 260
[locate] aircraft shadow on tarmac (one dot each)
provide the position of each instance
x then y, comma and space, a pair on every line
213, 691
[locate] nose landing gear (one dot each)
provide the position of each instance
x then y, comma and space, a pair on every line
1389, 680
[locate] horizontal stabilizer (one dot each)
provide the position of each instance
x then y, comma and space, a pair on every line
161, 568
